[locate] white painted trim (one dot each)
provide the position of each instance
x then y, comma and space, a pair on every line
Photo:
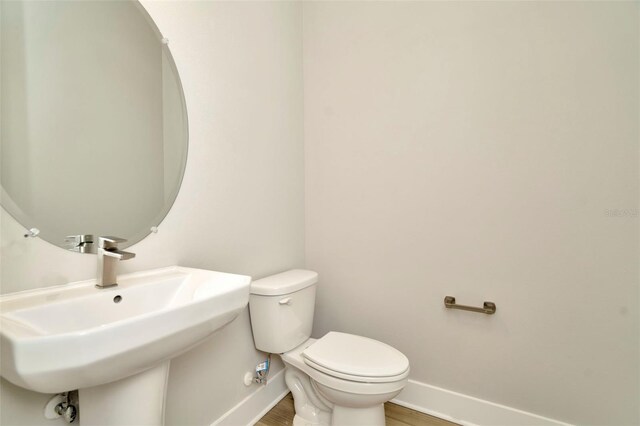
464, 409
253, 407
445, 404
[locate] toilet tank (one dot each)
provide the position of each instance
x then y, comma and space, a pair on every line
281, 308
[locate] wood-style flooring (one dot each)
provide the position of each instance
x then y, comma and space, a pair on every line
282, 415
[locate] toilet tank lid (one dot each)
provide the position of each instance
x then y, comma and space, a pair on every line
284, 283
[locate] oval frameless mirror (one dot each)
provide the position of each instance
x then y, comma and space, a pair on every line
93, 119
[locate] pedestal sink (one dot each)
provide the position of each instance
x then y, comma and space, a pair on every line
114, 344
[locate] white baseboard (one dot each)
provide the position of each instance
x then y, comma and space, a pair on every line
445, 404
253, 407
466, 410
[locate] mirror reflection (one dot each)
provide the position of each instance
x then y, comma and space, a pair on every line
93, 120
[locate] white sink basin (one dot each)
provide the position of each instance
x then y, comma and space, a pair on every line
76, 336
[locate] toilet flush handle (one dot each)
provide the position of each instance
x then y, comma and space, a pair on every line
285, 301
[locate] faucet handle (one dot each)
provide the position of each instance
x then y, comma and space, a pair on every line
110, 242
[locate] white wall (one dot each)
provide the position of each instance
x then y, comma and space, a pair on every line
474, 149
241, 205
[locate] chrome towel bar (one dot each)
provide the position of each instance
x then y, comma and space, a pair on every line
488, 308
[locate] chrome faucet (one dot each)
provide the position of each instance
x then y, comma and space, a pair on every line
108, 257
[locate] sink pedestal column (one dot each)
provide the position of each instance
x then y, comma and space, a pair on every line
136, 400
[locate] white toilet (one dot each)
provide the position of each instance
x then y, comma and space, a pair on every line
340, 379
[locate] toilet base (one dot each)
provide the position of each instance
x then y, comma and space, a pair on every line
299, 421
358, 416
309, 409
345, 416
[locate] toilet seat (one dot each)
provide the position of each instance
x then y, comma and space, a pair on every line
354, 378
296, 359
356, 358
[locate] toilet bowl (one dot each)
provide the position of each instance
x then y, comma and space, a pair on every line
326, 397
340, 379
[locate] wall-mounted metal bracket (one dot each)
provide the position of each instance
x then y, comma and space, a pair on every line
32, 233
488, 308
